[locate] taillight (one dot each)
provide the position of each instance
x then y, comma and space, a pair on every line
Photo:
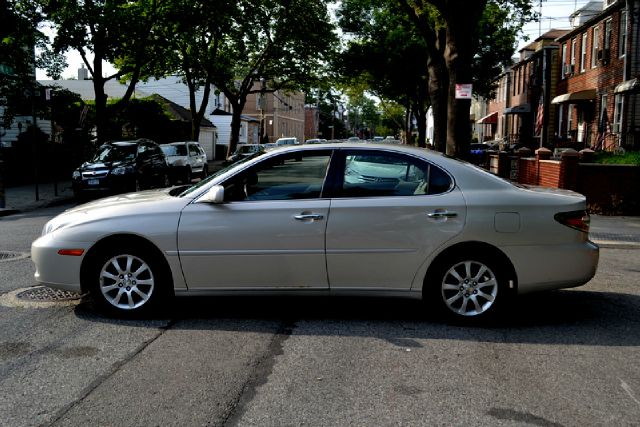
578, 220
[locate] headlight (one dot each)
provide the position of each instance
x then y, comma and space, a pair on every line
76, 174
121, 170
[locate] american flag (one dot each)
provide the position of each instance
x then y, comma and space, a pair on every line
540, 116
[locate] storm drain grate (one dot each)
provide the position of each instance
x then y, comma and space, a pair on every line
11, 256
44, 293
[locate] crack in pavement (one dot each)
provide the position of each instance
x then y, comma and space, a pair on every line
260, 375
59, 414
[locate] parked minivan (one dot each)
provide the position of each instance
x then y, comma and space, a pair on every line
287, 141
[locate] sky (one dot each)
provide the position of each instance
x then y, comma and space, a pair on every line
555, 15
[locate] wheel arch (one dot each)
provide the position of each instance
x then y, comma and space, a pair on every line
127, 240
483, 248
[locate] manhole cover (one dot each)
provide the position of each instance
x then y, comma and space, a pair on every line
44, 293
10, 256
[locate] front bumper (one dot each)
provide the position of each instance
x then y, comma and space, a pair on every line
55, 270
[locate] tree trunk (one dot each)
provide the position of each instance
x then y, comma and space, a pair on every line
438, 90
458, 56
236, 122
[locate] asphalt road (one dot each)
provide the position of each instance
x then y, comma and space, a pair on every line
563, 358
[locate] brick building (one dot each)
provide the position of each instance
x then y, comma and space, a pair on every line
521, 112
594, 81
583, 84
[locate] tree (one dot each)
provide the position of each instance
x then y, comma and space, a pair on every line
194, 32
274, 45
19, 36
387, 53
462, 47
121, 32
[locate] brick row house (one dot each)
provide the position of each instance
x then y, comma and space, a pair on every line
574, 88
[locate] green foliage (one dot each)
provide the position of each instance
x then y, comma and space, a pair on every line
627, 158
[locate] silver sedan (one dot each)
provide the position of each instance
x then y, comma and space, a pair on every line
348, 219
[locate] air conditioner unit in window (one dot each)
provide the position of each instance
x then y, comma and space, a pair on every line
615, 128
567, 69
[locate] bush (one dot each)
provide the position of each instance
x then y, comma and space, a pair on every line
627, 158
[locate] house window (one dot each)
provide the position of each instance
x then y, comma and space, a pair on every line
564, 61
560, 123
603, 108
617, 114
607, 34
574, 43
622, 34
583, 53
595, 46
569, 119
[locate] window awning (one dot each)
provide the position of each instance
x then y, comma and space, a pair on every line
632, 85
575, 97
489, 119
518, 109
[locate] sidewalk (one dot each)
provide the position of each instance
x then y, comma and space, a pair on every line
23, 198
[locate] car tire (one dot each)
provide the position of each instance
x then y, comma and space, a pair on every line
126, 280
137, 185
468, 288
187, 176
166, 182
205, 171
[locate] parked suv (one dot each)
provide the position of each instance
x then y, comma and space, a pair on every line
185, 160
122, 166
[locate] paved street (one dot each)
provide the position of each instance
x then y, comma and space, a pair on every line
564, 358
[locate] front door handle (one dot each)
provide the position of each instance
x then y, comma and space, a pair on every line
442, 214
308, 217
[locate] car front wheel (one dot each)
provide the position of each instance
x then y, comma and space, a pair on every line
127, 282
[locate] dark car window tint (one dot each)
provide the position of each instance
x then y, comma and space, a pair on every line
111, 153
439, 181
193, 150
285, 177
387, 174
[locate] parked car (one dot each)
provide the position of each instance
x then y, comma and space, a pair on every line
185, 160
315, 141
245, 150
122, 166
347, 219
287, 141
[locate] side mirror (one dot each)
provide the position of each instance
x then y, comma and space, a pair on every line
214, 195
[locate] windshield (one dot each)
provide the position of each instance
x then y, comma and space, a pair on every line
202, 183
174, 150
115, 153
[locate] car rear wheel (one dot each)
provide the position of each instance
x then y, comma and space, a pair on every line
205, 171
127, 281
469, 288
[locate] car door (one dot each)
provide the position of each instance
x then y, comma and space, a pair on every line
269, 233
390, 211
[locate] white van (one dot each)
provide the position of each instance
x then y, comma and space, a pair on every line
287, 141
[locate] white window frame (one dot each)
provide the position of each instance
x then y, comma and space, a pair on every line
560, 119
564, 61
622, 34
595, 46
569, 119
583, 53
617, 112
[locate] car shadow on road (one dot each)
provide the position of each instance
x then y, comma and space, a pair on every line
559, 317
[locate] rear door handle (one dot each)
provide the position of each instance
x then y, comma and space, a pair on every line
442, 214
308, 217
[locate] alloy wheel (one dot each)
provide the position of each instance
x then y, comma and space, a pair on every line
469, 288
126, 282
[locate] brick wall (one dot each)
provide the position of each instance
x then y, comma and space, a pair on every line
609, 189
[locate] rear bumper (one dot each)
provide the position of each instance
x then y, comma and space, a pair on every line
553, 267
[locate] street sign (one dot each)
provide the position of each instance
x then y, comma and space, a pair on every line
464, 91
